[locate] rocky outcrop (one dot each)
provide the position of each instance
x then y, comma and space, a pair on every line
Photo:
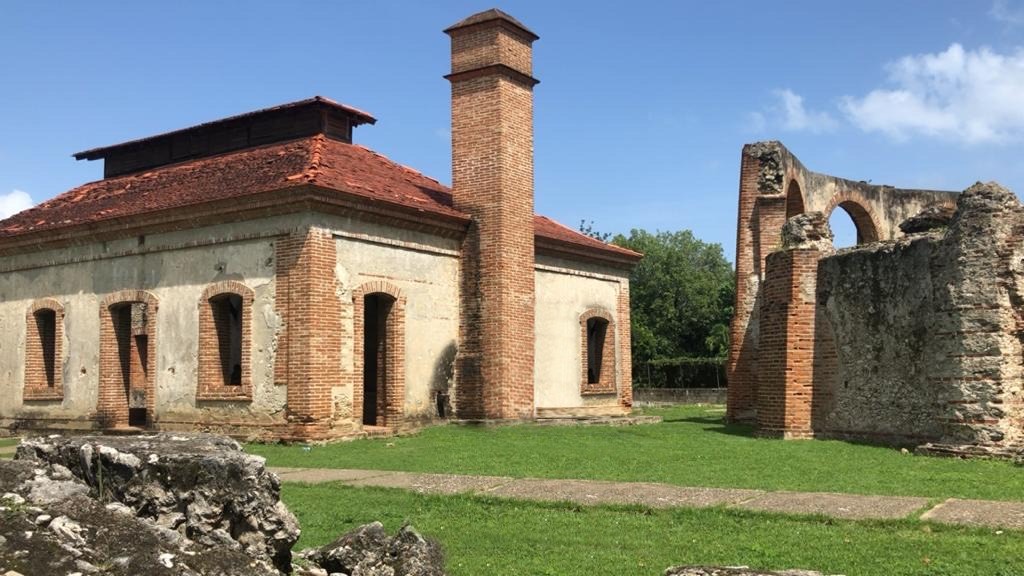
49, 524
369, 551
202, 487
172, 504
712, 571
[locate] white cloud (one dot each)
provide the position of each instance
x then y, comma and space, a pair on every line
1003, 11
14, 202
974, 96
796, 118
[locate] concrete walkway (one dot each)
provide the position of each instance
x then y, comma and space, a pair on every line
588, 492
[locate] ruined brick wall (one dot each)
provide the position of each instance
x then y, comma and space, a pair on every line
775, 186
927, 330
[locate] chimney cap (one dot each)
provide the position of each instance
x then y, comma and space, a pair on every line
490, 16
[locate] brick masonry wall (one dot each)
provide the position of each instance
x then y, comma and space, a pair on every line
625, 341
492, 180
309, 344
787, 359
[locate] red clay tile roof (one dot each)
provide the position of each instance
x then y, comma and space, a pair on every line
352, 170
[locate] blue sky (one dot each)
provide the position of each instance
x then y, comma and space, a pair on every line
641, 112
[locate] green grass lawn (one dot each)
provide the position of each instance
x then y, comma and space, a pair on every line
493, 536
692, 447
9, 442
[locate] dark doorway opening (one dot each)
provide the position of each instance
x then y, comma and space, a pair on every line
130, 331
597, 329
376, 311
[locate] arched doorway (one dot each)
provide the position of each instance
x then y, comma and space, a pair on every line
127, 360
378, 386
377, 357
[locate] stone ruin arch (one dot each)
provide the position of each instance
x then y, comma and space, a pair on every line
775, 317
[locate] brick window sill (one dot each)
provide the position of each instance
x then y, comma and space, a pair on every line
31, 394
233, 394
597, 390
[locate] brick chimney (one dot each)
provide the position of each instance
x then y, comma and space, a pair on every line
492, 180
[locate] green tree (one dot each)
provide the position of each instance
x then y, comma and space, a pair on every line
681, 296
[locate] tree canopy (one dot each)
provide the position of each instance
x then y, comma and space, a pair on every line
681, 294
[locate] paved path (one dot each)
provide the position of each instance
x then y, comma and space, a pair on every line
851, 506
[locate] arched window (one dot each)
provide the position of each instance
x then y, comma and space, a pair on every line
857, 227
225, 329
44, 358
597, 348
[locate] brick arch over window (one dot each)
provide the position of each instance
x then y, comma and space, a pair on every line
863, 219
794, 200
390, 404
44, 351
125, 316
597, 336
225, 342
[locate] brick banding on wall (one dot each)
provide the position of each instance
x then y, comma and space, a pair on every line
391, 385
44, 351
117, 330
213, 381
606, 376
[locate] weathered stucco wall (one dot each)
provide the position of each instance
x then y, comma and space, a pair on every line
564, 291
175, 267
426, 270
927, 330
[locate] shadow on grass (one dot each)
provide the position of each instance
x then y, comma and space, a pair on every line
718, 425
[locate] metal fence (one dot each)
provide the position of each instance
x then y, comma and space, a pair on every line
680, 373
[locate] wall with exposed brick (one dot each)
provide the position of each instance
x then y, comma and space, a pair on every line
565, 292
176, 268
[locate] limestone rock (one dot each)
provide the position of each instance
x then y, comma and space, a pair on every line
204, 487
81, 535
369, 551
809, 230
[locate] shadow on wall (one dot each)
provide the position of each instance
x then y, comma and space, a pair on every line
444, 375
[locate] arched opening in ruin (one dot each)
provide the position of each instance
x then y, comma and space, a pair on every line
852, 225
377, 356
794, 200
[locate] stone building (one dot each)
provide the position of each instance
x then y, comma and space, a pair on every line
913, 336
264, 275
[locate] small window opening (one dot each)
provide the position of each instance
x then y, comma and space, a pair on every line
227, 320
46, 325
597, 329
